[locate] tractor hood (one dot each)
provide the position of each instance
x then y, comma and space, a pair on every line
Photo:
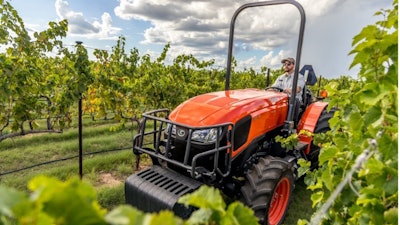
224, 106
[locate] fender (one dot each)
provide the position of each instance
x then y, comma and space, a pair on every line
309, 121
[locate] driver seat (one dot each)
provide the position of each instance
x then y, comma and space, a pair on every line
307, 98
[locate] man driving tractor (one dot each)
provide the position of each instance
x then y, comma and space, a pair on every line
285, 80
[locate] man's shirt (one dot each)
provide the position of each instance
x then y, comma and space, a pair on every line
285, 81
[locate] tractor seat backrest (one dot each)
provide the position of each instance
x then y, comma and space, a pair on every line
310, 79
309, 75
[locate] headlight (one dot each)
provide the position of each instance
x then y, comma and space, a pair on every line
205, 136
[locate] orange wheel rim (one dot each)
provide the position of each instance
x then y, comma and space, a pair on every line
279, 201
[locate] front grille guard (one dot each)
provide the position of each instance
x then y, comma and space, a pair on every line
160, 122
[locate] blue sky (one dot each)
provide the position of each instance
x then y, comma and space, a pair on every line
263, 36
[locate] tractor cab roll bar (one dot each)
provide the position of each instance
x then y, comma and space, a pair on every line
292, 102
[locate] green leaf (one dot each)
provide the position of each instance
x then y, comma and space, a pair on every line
327, 153
314, 186
10, 198
341, 141
303, 222
55, 196
238, 213
388, 146
304, 167
165, 218
326, 177
205, 197
372, 167
126, 215
370, 196
391, 216
366, 33
373, 114
391, 185
317, 198
356, 123
200, 216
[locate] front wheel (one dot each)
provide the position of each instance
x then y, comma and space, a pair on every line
268, 189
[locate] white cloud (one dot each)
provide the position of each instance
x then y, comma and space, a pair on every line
319, 8
202, 27
79, 26
248, 63
274, 60
197, 25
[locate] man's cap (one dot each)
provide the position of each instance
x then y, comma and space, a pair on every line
291, 60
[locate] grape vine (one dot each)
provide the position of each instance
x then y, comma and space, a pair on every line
34, 85
74, 202
364, 134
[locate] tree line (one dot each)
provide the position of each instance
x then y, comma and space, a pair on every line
35, 84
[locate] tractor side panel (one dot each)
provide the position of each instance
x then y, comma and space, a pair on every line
263, 121
309, 121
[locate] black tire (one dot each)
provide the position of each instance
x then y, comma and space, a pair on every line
322, 127
268, 189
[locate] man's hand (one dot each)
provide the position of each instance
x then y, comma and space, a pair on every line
289, 91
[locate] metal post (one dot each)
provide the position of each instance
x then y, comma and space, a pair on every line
80, 129
80, 136
299, 45
268, 77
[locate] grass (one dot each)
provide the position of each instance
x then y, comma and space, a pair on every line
106, 172
300, 206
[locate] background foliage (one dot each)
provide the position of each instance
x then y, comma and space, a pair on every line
364, 130
78, 205
41, 78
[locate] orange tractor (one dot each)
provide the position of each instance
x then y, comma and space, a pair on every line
226, 139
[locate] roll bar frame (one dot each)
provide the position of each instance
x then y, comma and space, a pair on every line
292, 101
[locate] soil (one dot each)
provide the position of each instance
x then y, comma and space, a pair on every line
109, 180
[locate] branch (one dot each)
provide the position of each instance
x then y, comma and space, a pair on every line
49, 124
364, 156
11, 135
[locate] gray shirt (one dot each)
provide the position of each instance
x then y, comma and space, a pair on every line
285, 81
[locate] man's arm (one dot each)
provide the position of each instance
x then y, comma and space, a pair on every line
300, 83
278, 82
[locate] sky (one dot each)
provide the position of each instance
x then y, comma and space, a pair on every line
263, 35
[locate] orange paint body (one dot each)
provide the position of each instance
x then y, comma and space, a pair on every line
268, 110
309, 121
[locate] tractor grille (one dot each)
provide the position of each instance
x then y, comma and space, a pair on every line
197, 158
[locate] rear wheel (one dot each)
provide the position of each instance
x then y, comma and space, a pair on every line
268, 189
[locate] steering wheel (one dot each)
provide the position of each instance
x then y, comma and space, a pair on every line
275, 88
